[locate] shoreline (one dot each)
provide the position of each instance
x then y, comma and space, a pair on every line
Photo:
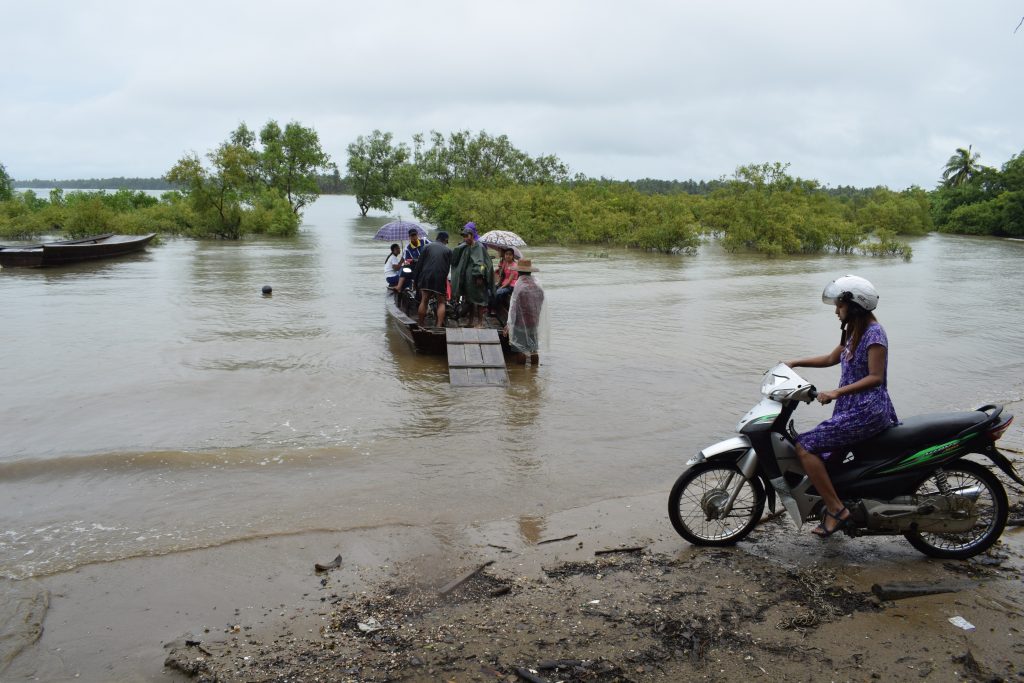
259, 610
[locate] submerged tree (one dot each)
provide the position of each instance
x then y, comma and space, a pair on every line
375, 169
291, 161
253, 189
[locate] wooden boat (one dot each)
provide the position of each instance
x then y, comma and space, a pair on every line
430, 340
72, 251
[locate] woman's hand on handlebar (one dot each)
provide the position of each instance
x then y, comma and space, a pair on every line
826, 397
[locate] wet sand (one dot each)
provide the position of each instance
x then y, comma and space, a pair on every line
781, 606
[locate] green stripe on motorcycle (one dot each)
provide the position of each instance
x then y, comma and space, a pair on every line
928, 454
764, 418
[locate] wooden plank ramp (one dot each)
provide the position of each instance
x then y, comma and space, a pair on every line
475, 358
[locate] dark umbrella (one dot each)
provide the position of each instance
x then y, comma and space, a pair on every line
398, 231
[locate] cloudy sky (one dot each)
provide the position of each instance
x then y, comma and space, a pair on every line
854, 93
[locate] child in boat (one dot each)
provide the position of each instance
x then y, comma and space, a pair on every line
393, 266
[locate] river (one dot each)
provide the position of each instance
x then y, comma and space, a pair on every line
159, 403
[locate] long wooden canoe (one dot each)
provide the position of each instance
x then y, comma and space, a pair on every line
73, 251
429, 340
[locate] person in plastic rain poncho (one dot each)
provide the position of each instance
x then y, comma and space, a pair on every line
527, 327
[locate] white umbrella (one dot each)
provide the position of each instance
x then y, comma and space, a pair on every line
504, 239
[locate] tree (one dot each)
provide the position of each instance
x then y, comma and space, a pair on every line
291, 161
961, 167
248, 189
215, 194
6, 185
481, 161
375, 169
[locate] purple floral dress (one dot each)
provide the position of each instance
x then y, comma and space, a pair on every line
856, 416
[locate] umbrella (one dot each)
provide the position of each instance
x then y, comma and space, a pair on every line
398, 231
515, 250
501, 239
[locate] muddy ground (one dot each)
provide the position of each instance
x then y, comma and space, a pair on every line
638, 615
539, 600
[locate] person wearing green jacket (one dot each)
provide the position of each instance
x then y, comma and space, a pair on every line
472, 273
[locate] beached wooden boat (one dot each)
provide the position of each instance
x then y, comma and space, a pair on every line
427, 339
72, 251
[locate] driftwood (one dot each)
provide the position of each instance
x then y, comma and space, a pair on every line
899, 590
631, 549
333, 564
455, 583
561, 664
556, 540
528, 675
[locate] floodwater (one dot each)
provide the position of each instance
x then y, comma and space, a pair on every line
159, 403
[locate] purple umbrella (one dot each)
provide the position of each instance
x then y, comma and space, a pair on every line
397, 231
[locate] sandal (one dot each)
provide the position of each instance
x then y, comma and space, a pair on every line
822, 531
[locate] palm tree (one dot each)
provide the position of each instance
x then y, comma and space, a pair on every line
961, 167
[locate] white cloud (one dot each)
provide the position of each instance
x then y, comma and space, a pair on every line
865, 94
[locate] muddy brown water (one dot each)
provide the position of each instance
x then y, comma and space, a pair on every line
159, 403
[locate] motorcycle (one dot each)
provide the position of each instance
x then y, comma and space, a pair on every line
912, 479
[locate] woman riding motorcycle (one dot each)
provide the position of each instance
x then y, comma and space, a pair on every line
863, 407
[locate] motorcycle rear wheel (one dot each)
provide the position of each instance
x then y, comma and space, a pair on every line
699, 495
991, 507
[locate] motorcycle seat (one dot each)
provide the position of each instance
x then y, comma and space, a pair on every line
917, 431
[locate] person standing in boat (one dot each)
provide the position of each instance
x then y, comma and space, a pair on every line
472, 273
527, 316
431, 276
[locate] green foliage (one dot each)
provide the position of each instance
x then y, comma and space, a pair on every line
654, 186
1003, 215
246, 188
215, 195
986, 203
291, 161
906, 212
766, 210
886, 244
375, 171
463, 160
6, 185
586, 214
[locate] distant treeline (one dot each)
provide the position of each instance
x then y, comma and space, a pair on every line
329, 184
119, 183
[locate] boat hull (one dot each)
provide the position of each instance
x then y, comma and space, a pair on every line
428, 340
73, 251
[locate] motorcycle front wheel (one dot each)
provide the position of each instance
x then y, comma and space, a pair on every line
989, 506
698, 499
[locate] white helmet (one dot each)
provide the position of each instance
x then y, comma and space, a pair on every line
851, 288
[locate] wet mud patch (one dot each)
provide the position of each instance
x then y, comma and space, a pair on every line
631, 617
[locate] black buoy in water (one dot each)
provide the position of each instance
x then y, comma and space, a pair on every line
267, 290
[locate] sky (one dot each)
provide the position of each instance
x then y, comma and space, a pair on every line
857, 93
